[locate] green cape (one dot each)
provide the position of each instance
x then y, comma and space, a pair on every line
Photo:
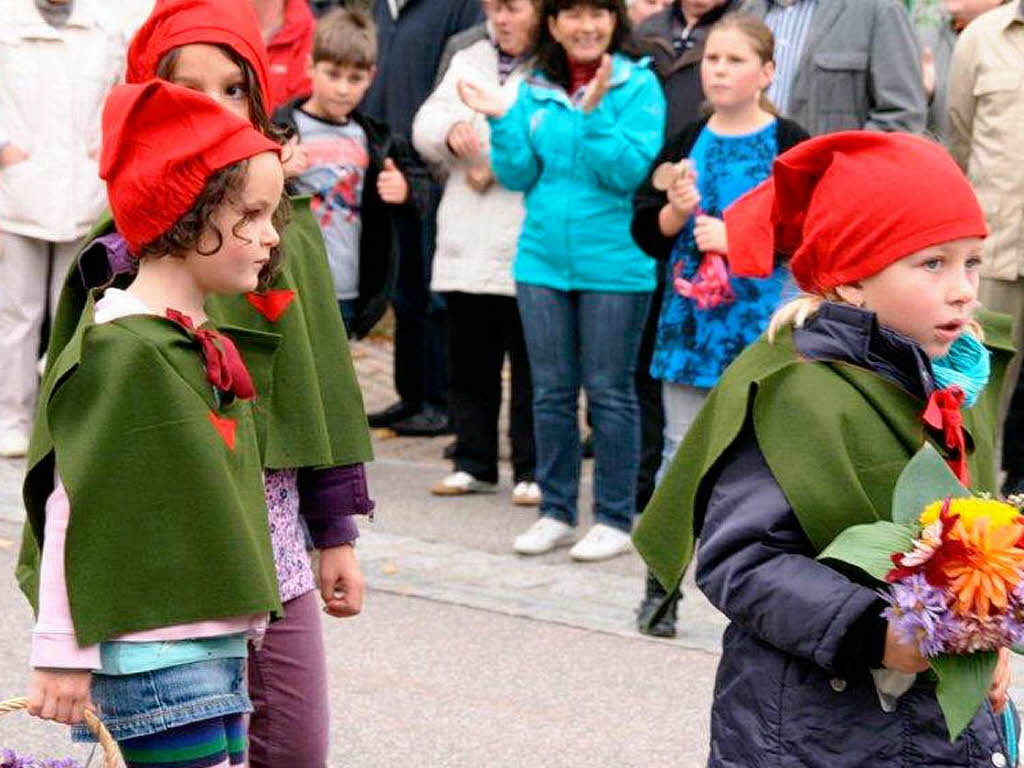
168, 523
834, 435
315, 416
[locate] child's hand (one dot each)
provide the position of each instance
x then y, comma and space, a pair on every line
709, 233
598, 87
901, 656
683, 195
12, 155
999, 692
391, 184
486, 101
60, 694
341, 581
463, 141
294, 158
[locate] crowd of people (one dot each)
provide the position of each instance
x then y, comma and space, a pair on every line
598, 192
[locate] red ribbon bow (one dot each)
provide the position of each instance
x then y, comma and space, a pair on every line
224, 366
710, 286
943, 415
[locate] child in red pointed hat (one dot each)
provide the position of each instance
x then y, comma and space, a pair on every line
805, 436
317, 440
144, 479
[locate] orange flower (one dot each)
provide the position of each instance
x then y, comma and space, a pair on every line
985, 567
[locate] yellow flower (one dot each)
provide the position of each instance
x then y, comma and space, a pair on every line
998, 513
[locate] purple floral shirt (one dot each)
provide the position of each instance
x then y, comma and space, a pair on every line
294, 572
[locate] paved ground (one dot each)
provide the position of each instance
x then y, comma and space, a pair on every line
466, 655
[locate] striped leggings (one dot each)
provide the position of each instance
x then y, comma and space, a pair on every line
215, 743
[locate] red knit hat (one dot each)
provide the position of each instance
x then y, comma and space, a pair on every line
174, 23
161, 143
846, 205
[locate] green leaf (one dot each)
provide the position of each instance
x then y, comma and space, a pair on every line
926, 479
963, 685
870, 546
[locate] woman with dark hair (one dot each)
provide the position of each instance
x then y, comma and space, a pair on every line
578, 142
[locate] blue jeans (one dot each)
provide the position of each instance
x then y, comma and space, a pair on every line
590, 338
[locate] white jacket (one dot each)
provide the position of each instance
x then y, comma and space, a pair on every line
53, 82
477, 233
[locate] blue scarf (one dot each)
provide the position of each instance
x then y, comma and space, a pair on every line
966, 365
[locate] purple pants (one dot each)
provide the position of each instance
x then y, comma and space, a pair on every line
288, 688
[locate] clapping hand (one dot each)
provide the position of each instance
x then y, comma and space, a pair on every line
486, 101
598, 87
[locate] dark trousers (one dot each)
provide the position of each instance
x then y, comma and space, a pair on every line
482, 328
421, 374
652, 413
1013, 435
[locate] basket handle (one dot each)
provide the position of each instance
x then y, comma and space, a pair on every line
111, 752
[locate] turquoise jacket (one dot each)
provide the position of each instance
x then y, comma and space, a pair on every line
578, 172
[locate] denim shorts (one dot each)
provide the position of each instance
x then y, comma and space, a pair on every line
150, 702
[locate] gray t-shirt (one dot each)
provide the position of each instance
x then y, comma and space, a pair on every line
338, 159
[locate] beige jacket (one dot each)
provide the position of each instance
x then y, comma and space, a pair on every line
53, 82
986, 129
476, 233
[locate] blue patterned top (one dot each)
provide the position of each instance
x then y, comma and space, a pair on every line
694, 346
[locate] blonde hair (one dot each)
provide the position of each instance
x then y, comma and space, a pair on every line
761, 39
806, 305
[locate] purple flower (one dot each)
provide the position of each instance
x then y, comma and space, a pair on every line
11, 759
969, 634
917, 611
1012, 624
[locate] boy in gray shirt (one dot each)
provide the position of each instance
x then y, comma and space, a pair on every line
359, 175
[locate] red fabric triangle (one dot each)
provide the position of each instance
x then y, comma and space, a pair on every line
225, 428
271, 304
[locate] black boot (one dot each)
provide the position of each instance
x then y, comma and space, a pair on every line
656, 615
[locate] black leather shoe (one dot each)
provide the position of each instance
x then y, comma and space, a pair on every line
391, 414
656, 615
429, 421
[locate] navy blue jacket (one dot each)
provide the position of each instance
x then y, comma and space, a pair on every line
793, 688
408, 52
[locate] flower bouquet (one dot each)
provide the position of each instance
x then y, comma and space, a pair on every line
11, 759
954, 566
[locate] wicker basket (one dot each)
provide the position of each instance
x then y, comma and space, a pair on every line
111, 752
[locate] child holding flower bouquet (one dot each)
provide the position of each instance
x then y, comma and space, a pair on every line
805, 436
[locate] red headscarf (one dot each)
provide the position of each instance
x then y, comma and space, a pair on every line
174, 23
846, 205
161, 143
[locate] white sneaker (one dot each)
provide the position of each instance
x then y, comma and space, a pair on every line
461, 483
601, 543
543, 536
526, 494
13, 444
